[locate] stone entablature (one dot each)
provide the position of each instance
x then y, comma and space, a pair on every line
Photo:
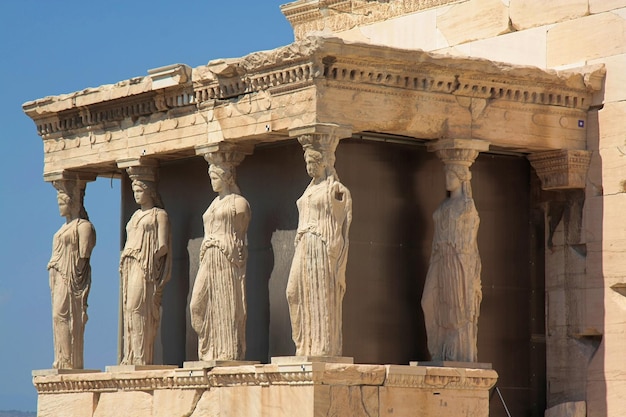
260, 97
307, 16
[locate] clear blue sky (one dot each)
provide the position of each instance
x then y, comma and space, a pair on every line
55, 47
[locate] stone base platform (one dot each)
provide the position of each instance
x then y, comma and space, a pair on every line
310, 389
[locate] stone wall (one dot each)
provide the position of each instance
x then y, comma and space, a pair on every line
586, 317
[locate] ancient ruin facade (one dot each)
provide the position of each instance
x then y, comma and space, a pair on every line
540, 87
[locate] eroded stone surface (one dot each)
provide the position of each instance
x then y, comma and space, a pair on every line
588, 38
317, 278
145, 268
452, 291
78, 404
175, 403
70, 274
474, 19
598, 6
530, 13
218, 300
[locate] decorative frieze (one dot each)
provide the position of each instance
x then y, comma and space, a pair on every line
308, 17
561, 169
267, 375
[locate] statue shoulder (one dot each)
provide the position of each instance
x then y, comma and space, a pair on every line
241, 204
161, 214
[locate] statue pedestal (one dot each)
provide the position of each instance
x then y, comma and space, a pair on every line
453, 364
291, 360
274, 390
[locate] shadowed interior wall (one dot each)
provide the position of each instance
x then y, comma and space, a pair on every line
395, 189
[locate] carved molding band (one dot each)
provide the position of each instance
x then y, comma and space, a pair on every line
266, 375
561, 169
339, 15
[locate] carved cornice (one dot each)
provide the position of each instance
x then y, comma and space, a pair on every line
307, 16
270, 92
265, 375
354, 66
561, 169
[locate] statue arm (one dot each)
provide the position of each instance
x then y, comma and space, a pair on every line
86, 239
86, 243
163, 234
242, 216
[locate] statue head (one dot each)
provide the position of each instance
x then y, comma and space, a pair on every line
223, 178
144, 184
458, 175
147, 190
70, 197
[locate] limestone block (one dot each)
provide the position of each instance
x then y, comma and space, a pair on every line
75, 404
527, 47
241, 401
175, 402
396, 401
530, 13
208, 405
614, 87
594, 176
593, 130
413, 31
605, 259
290, 400
598, 6
569, 409
132, 403
611, 126
585, 39
613, 169
612, 209
474, 19
555, 311
352, 401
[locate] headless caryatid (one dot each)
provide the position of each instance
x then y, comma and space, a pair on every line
218, 300
452, 291
145, 268
317, 279
70, 275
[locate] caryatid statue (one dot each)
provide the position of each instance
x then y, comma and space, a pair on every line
317, 278
70, 274
145, 268
218, 299
452, 291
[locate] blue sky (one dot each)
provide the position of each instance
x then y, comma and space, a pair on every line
55, 47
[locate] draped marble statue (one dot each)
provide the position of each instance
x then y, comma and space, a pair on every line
145, 268
70, 275
317, 279
452, 291
218, 299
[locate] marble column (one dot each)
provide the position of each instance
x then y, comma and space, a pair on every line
317, 278
452, 291
218, 308
573, 335
70, 270
145, 265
